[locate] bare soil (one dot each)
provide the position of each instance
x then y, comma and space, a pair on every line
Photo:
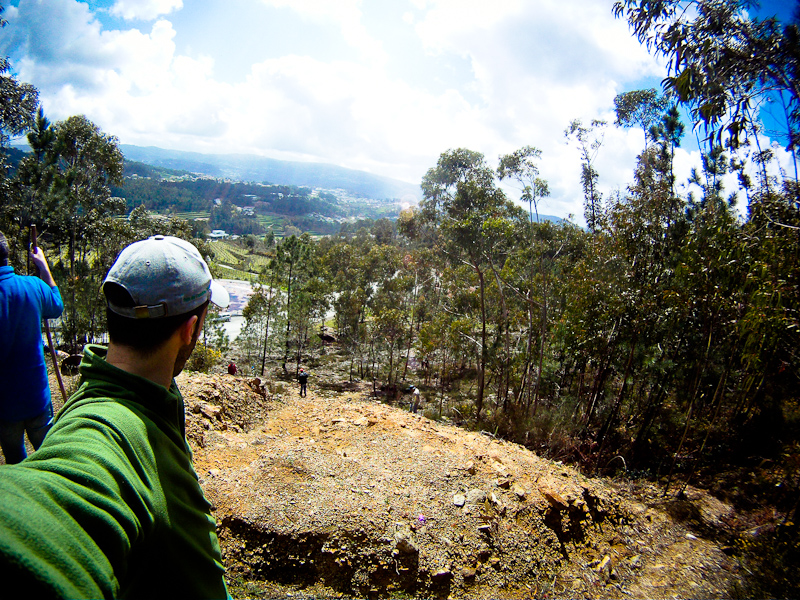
338, 495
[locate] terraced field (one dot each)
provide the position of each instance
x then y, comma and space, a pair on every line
272, 221
191, 216
226, 254
226, 272
228, 258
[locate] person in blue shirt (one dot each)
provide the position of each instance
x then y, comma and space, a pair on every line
25, 404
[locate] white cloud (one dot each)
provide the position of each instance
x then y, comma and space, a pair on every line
347, 15
490, 77
537, 67
145, 10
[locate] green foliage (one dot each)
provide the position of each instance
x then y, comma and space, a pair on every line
521, 167
643, 108
230, 218
298, 271
19, 102
723, 64
214, 334
588, 140
204, 358
461, 198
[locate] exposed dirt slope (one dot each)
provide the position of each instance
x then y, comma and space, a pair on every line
349, 496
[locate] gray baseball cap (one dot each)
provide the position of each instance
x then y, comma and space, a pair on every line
165, 276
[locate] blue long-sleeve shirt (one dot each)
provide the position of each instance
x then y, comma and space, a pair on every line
24, 301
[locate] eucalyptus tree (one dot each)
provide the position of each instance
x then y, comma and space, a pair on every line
588, 140
297, 264
461, 197
420, 263
64, 187
18, 102
87, 162
522, 167
647, 233
709, 287
642, 108
446, 342
26, 197
741, 286
263, 306
724, 65
350, 277
309, 309
360, 269
390, 320
769, 326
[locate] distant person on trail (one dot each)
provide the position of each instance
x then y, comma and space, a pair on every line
302, 377
414, 406
110, 505
25, 403
231, 368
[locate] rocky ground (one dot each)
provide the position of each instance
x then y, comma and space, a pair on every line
338, 495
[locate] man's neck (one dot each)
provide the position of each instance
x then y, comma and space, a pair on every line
157, 367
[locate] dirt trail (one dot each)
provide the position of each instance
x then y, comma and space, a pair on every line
338, 494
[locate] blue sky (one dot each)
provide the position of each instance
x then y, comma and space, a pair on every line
380, 85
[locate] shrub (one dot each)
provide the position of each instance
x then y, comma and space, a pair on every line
203, 358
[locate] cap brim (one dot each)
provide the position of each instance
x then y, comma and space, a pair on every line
219, 295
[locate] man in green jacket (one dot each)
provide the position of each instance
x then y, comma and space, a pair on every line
110, 505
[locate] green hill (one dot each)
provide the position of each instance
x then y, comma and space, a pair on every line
241, 167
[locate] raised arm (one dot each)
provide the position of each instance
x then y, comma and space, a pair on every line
44, 269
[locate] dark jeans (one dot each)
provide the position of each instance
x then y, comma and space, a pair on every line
303, 389
12, 435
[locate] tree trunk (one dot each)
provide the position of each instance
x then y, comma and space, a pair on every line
269, 313
597, 387
613, 414
482, 366
717, 402
73, 285
700, 369
288, 317
503, 382
410, 327
542, 334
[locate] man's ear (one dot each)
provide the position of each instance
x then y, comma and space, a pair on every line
187, 329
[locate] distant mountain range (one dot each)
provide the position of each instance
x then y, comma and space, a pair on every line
251, 168
242, 167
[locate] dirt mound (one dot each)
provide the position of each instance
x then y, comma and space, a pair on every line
221, 403
350, 496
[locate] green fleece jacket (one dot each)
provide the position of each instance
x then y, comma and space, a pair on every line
110, 505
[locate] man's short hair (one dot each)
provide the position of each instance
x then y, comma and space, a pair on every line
3, 250
143, 335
